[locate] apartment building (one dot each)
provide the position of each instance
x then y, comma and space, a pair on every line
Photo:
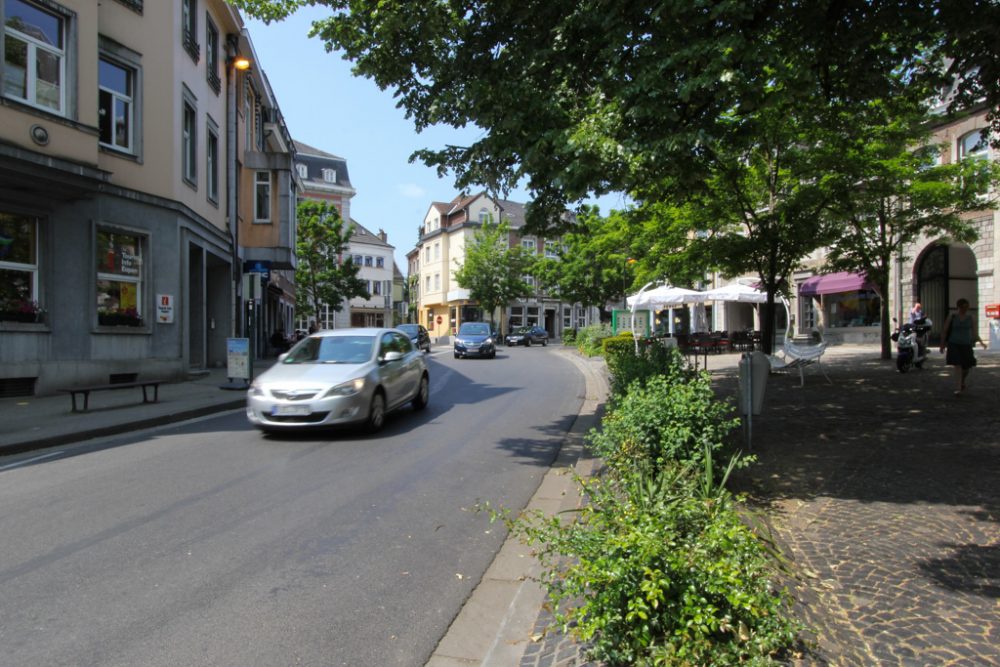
324, 177
442, 305
120, 248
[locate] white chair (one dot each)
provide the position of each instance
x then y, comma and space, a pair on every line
799, 355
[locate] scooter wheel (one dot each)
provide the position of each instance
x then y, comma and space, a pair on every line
903, 364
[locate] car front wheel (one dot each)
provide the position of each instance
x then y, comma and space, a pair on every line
376, 413
423, 394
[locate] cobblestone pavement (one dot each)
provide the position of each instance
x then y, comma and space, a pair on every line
883, 491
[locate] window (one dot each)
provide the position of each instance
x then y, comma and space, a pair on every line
551, 250
262, 197
258, 128
330, 175
248, 107
368, 260
18, 266
380, 262
428, 282
212, 55
484, 214
427, 252
189, 28
34, 55
119, 278
358, 260
115, 105
437, 281
529, 280
528, 245
975, 144
189, 144
437, 251
376, 288
212, 162
303, 170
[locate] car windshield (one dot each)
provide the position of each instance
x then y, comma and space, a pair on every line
523, 330
408, 329
331, 350
474, 329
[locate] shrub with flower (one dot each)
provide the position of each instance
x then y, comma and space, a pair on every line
20, 310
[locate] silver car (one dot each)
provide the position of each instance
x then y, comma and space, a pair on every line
337, 377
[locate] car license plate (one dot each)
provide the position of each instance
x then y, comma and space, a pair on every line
291, 410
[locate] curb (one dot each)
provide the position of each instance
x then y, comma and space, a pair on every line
117, 429
495, 625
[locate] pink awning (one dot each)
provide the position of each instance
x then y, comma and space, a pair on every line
832, 283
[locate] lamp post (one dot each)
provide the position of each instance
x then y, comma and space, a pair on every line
235, 63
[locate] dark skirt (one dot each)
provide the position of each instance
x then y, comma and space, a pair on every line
960, 355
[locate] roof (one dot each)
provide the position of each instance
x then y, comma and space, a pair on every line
364, 235
316, 161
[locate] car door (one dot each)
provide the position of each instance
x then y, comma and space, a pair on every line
392, 372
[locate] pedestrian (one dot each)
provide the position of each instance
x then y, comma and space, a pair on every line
313, 328
916, 314
960, 336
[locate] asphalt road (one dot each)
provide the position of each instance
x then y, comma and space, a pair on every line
210, 544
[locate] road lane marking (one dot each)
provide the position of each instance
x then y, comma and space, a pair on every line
31, 460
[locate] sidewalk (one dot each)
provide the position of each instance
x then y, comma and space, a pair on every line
37, 422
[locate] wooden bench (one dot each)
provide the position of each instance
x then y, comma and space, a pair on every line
85, 391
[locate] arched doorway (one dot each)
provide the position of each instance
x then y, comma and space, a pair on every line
943, 274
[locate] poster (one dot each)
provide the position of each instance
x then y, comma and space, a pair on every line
238, 358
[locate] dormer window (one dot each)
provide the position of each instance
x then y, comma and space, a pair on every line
303, 170
330, 175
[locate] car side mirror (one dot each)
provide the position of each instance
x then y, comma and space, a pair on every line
392, 355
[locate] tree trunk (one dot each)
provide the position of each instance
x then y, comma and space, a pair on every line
884, 328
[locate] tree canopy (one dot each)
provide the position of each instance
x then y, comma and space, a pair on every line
493, 271
616, 95
321, 277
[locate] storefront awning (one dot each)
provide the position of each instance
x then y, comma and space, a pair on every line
832, 283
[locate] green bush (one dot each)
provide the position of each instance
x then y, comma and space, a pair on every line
588, 339
663, 421
625, 366
653, 574
569, 336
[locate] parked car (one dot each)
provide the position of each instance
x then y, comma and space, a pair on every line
475, 339
528, 336
418, 336
340, 376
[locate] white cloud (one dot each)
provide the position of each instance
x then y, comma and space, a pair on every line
412, 191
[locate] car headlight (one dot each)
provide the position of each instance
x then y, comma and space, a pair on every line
488, 341
256, 390
348, 388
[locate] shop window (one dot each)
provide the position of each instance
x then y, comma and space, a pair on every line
852, 309
19, 268
119, 278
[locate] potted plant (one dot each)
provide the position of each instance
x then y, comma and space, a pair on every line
21, 310
119, 318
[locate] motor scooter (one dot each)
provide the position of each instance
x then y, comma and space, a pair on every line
911, 344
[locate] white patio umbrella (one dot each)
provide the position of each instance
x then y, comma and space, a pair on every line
736, 292
664, 296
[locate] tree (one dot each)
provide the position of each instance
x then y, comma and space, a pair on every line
493, 271
592, 267
897, 192
320, 277
634, 89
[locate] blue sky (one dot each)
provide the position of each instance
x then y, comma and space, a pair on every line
327, 107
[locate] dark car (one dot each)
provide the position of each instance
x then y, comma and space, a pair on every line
418, 336
476, 339
528, 336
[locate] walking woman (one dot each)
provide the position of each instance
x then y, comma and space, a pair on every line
960, 336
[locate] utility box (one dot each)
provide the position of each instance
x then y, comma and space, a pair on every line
754, 370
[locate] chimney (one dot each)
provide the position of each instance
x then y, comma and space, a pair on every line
382, 235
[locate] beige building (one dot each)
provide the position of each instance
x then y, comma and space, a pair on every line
442, 305
121, 248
